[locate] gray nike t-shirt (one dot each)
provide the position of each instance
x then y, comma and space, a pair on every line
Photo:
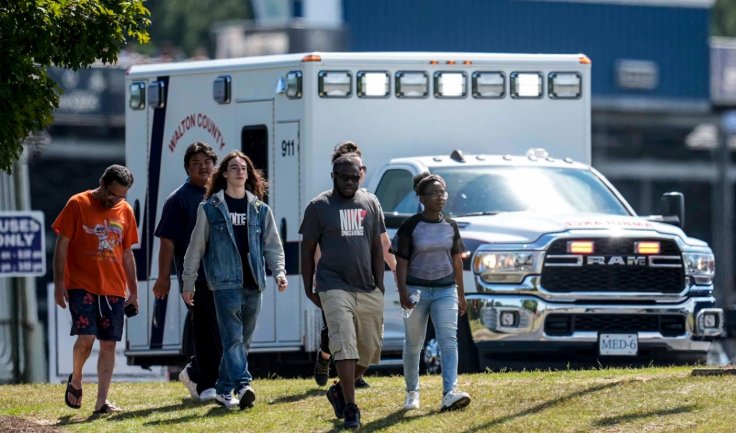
345, 230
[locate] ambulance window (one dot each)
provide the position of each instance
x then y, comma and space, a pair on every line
412, 84
526, 85
373, 84
335, 84
254, 143
137, 100
396, 193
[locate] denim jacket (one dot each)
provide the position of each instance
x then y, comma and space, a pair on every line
213, 242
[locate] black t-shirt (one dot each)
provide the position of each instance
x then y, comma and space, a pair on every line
238, 209
178, 217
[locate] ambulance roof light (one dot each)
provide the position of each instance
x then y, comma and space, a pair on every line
585, 60
311, 58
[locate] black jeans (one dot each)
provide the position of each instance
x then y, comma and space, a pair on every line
207, 344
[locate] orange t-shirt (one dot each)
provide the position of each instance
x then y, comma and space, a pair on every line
97, 237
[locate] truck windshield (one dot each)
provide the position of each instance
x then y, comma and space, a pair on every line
492, 190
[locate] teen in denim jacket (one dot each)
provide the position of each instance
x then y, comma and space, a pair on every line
236, 237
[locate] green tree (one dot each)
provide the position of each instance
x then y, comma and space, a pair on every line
35, 34
724, 18
186, 24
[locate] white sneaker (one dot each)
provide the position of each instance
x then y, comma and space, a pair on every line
247, 397
191, 386
412, 400
454, 400
227, 400
208, 394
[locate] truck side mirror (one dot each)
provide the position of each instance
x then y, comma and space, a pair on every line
672, 205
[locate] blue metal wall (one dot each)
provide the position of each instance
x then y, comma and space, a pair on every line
675, 38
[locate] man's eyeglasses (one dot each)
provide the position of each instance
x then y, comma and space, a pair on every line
346, 177
439, 194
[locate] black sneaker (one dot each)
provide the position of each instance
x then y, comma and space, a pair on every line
337, 400
361, 383
321, 370
352, 416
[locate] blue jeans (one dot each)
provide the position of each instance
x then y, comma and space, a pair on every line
237, 311
441, 303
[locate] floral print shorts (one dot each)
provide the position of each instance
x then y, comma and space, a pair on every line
98, 315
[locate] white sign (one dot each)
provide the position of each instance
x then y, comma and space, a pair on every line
22, 244
618, 344
61, 347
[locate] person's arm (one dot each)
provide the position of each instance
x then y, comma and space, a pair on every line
61, 251
377, 265
131, 277
308, 263
388, 257
163, 283
457, 266
273, 251
197, 245
402, 266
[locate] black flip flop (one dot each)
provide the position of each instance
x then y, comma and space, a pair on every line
106, 409
76, 393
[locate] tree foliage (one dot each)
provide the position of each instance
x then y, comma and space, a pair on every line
724, 18
186, 24
35, 34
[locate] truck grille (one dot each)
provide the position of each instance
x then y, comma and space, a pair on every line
669, 325
614, 266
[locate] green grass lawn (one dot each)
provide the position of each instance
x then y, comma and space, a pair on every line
609, 400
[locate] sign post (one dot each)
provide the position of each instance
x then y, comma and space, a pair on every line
22, 244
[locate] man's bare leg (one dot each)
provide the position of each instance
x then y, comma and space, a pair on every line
105, 364
348, 370
80, 353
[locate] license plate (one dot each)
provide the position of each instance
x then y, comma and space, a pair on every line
618, 344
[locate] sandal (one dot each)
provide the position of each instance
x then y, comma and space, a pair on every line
106, 409
76, 393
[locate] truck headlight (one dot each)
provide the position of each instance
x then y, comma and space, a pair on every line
506, 266
700, 266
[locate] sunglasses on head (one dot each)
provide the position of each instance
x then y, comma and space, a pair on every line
346, 177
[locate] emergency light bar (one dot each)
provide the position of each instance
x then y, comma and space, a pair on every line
488, 84
294, 84
373, 84
565, 85
221, 89
335, 84
526, 85
412, 84
156, 98
450, 84
137, 99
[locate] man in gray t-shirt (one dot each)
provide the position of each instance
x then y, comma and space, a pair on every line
347, 223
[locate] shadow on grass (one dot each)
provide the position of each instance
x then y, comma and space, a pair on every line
302, 396
543, 406
619, 419
125, 414
387, 421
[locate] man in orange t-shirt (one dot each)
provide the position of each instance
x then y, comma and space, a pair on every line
94, 272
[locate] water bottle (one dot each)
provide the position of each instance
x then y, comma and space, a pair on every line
414, 299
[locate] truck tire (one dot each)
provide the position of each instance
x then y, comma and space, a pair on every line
431, 357
468, 361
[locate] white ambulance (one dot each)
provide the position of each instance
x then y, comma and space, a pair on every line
288, 112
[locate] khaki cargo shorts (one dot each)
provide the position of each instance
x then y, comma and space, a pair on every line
355, 324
